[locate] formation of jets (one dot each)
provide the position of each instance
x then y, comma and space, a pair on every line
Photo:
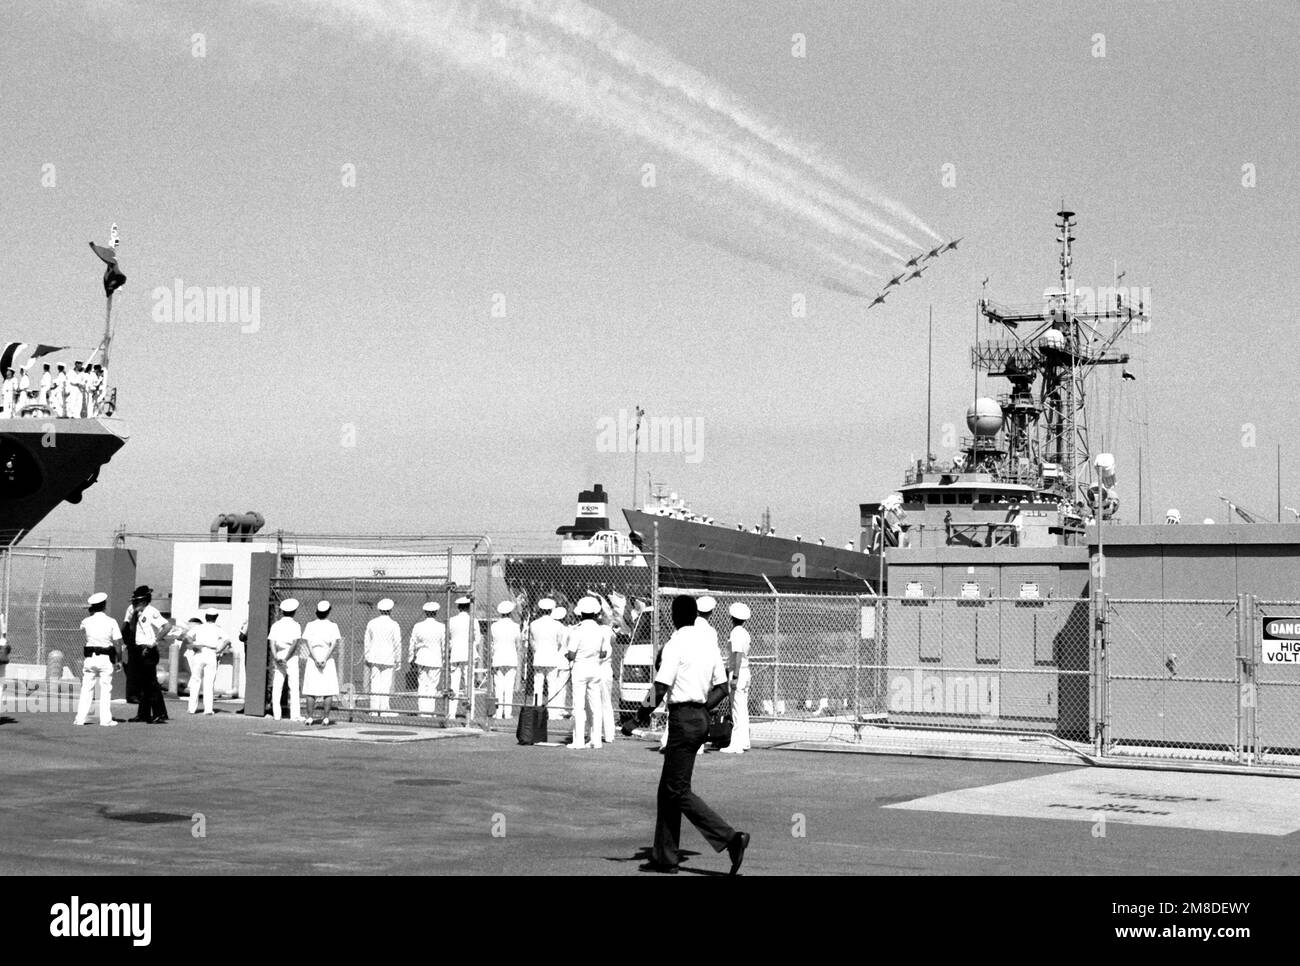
913, 268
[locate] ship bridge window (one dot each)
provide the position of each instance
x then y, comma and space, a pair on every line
963, 498
950, 498
986, 498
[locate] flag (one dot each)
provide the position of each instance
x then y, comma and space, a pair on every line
21, 355
113, 277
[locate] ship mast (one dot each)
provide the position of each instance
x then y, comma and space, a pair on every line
1056, 345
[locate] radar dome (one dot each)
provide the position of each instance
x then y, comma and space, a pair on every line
1052, 339
984, 418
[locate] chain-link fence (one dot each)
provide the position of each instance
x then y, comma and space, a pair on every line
1181, 680
44, 600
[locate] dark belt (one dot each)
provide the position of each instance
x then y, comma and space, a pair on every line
97, 651
686, 704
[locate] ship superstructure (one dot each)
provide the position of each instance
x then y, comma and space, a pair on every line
1022, 477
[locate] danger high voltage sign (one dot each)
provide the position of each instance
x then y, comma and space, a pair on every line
1282, 640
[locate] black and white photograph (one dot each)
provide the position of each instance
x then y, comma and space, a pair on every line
647, 439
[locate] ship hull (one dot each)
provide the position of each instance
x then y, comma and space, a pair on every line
45, 462
754, 558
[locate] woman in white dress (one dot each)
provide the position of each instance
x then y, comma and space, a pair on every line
321, 678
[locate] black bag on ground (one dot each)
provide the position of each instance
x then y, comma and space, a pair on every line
532, 724
720, 730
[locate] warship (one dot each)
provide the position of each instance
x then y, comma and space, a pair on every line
47, 459
1024, 476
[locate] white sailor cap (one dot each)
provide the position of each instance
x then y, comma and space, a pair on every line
385, 605
322, 607
93, 599
559, 613
587, 605
432, 607
211, 612
505, 607
705, 605
289, 605
462, 601
739, 611
546, 604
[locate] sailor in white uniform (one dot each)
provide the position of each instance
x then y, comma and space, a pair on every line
208, 642
462, 634
102, 637
566, 680
383, 652
284, 637
322, 638
607, 688
738, 676
427, 639
586, 645
59, 396
76, 389
505, 658
9, 394
544, 639
43, 387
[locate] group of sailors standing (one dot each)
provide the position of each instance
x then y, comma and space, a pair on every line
74, 395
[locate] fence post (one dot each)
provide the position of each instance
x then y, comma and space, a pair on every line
655, 610
1101, 628
776, 652
1242, 637
1252, 629
473, 637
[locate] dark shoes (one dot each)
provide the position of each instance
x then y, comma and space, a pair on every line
736, 849
659, 867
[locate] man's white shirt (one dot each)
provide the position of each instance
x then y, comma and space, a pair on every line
691, 666
101, 630
383, 641
426, 642
284, 636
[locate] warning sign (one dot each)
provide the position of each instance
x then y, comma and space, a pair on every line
1281, 640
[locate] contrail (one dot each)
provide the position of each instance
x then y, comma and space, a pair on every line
604, 77
635, 54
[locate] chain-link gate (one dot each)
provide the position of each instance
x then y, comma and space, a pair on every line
1275, 676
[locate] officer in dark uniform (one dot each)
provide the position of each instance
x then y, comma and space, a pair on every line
148, 632
133, 661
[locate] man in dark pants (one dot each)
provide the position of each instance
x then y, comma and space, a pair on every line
148, 630
693, 681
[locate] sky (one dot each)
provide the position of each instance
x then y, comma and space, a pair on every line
438, 342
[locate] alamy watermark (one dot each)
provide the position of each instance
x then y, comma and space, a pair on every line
657, 434
208, 305
947, 693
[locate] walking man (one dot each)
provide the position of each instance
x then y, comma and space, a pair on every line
208, 642
102, 637
462, 632
692, 681
739, 642
427, 638
588, 643
505, 658
284, 637
383, 652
